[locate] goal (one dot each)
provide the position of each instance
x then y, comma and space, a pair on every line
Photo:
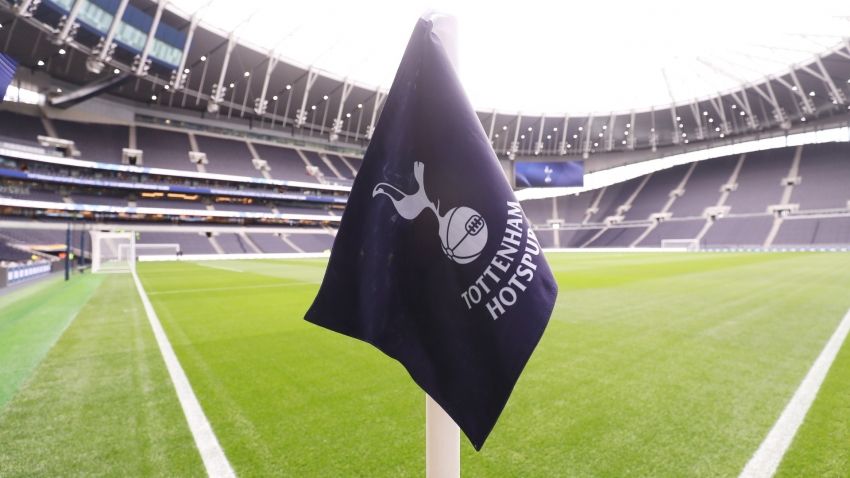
164, 251
682, 244
113, 251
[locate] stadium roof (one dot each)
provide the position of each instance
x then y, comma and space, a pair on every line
540, 56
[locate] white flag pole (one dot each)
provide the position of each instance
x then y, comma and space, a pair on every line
442, 435
442, 442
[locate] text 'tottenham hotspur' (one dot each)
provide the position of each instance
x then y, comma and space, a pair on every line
497, 290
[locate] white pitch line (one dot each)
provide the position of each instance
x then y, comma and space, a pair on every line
211, 453
766, 459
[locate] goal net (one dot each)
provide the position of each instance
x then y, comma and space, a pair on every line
113, 251
685, 244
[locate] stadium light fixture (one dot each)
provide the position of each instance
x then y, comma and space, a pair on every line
626, 133
246, 74
496, 135
359, 105
548, 136
604, 127
274, 97
803, 119
166, 87
736, 106
504, 128
325, 97
313, 107
186, 71
600, 135
522, 136
288, 87
153, 97
116, 71
59, 90
62, 51
348, 115
624, 141
681, 125
581, 128
651, 130
569, 146
575, 136
529, 128
232, 85
711, 120
40, 63
811, 93
684, 135
678, 118
628, 125
722, 135
705, 113
794, 88
717, 129
742, 113
595, 144
203, 58
555, 128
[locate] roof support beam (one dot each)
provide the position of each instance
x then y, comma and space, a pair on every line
611, 122
142, 62
492, 126
805, 102
698, 120
836, 94
630, 129
743, 101
103, 51
538, 147
336, 129
69, 24
261, 103
563, 145
180, 76
219, 89
515, 143
587, 134
717, 104
379, 98
301, 114
677, 134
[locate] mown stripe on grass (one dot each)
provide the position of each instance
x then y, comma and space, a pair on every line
31, 320
212, 455
767, 458
100, 403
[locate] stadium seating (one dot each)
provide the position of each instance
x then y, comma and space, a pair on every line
227, 156
284, 163
757, 185
20, 128
164, 149
96, 142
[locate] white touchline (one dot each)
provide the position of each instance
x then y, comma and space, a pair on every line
766, 459
212, 455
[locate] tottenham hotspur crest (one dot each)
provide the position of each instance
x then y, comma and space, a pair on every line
463, 232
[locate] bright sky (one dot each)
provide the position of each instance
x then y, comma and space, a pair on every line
544, 56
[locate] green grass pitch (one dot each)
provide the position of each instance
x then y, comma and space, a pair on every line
653, 365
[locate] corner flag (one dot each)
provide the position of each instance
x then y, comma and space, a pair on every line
435, 263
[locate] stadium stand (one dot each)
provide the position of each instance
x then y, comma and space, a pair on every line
617, 237
190, 242
20, 127
655, 193
227, 156
164, 149
703, 188
96, 142
822, 231
760, 181
825, 173
312, 242
270, 243
673, 229
284, 163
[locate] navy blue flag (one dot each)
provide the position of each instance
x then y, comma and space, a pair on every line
435, 263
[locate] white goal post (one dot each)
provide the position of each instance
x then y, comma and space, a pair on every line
682, 244
113, 251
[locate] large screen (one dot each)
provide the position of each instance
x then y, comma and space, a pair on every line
561, 174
